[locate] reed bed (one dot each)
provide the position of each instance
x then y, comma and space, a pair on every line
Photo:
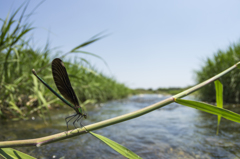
221, 60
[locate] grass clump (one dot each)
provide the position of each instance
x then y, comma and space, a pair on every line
231, 81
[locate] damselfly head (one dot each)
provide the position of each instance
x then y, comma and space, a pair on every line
85, 116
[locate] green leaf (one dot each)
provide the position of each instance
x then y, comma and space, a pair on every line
10, 153
117, 147
92, 40
210, 109
219, 93
92, 54
14, 106
219, 99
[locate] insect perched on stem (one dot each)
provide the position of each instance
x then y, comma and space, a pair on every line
64, 86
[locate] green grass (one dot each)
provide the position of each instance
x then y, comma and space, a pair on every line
221, 60
170, 90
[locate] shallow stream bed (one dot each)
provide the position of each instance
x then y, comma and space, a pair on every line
171, 132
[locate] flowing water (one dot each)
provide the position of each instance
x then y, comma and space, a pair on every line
174, 131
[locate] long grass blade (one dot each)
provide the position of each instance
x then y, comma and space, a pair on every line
117, 147
210, 109
92, 40
9, 153
219, 99
4, 30
20, 19
92, 54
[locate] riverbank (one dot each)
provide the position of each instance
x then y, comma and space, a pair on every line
166, 91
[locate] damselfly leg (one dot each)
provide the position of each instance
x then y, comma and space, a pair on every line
71, 117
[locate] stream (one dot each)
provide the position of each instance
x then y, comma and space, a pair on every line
171, 132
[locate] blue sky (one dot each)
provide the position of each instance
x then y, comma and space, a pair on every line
151, 43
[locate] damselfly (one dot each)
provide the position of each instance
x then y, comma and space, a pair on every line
64, 86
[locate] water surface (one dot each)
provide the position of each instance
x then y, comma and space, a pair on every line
173, 131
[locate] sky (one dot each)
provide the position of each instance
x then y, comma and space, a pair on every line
150, 44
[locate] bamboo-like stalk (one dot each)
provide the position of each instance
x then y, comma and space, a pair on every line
64, 135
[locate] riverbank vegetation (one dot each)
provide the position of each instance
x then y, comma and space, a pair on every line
22, 94
167, 91
221, 60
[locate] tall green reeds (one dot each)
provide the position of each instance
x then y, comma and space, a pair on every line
21, 94
231, 82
